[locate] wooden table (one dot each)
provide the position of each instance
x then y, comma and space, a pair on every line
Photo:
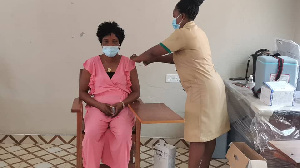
289, 149
151, 113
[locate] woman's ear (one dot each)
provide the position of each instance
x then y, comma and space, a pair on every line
184, 16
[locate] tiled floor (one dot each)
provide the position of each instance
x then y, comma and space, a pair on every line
64, 156
182, 155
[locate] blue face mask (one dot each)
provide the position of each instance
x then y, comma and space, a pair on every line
175, 25
110, 51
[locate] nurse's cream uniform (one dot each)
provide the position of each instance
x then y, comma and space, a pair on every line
206, 116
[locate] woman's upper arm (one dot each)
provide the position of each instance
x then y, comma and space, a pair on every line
135, 87
84, 80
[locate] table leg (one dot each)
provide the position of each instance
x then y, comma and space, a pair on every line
138, 144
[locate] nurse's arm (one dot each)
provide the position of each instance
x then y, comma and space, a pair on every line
154, 54
163, 59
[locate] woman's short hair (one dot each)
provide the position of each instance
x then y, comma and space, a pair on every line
189, 7
107, 28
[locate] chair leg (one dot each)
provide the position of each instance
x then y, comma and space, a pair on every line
79, 140
79, 152
132, 151
137, 144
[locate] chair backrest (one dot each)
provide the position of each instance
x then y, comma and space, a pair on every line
80, 72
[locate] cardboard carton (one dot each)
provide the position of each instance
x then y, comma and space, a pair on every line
240, 155
277, 94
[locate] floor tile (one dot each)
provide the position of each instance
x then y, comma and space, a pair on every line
64, 156
3, 164
26, 145
53, 149
13, 148
41, 153
33, 149
183, 165
56, 161
66, 146
20, 152
6, 156
35, 161
61, 153
48, 157
74, 161
145, 164
43, 165
71, 150
181, 150
182, 157
215, 163
72, 157
23, 165
27, 156
46, 146
65, 165
12, 160
222, 160
17, 164
225, 166
2, 151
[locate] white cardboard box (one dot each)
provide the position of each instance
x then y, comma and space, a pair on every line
240, 155
277, 93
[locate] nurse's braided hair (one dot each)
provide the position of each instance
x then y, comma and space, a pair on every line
106, 28
189, 7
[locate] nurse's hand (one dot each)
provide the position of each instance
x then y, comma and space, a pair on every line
118, 108
105, 108
135, 58
147, 62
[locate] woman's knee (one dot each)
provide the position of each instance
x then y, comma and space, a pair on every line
95, 131
122, 132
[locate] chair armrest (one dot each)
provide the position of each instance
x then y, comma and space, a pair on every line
77, 106
137, 101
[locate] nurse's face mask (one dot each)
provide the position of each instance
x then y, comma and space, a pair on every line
175, 25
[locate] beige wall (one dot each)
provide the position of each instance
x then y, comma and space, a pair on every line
297, 21
44, 43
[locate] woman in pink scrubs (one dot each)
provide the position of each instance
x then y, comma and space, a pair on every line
108, 83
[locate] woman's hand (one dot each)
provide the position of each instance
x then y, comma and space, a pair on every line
104, 108
118, 108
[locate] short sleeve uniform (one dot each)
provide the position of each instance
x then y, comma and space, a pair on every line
206, 116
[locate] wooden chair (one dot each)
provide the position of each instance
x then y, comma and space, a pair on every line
77, 107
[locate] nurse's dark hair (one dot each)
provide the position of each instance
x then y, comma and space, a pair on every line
189, 7
107, 28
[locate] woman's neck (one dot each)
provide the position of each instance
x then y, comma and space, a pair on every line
111, 59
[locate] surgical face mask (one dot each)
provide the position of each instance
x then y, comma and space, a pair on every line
110, 51
175, 25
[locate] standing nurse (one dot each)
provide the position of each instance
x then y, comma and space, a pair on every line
206, 116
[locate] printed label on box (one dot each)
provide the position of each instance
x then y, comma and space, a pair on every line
283, 77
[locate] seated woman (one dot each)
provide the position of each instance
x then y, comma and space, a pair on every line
108, 83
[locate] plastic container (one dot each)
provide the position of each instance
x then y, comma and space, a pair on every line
267, 67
